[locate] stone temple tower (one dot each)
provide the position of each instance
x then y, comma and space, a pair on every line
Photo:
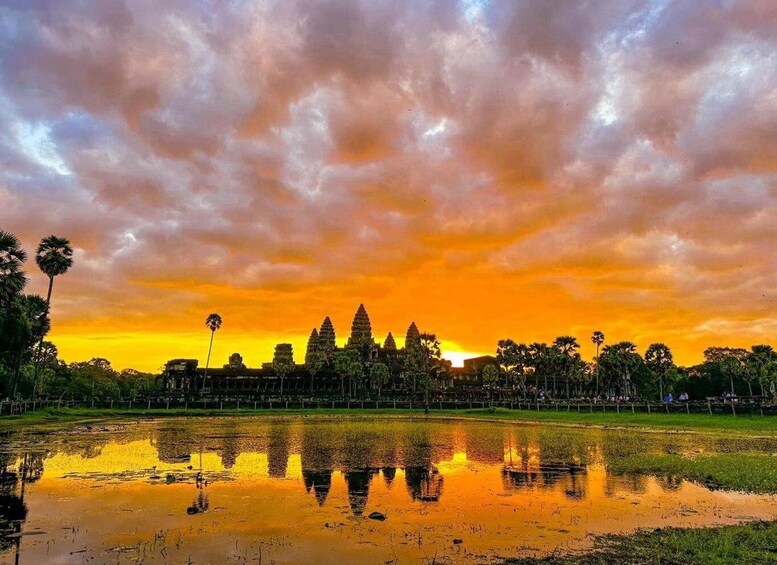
413, 336
361, 330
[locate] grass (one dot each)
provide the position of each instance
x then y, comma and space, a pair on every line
764, 425
751, 472
754, 543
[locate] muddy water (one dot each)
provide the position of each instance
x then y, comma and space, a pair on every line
303, 490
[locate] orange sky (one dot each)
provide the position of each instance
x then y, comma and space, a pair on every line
488, 169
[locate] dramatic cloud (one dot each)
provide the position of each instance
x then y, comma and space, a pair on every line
487, 168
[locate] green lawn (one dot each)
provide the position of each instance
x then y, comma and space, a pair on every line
752, 472
752, 543
762, 425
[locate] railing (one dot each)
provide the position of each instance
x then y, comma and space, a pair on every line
755, 406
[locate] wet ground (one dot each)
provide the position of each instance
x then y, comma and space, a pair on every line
275, 490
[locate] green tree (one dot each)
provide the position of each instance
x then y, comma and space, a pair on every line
356, 375
425, 362
133, 383
659, 360
12, 257
620, 364
598, 339
283, 362
94, 378
23, 322
758, 363
347, 364
341, 365
379, 377
54, 257
569, 362
47, 353
490, 376
733, 368
507, 358
546, 362
213, 323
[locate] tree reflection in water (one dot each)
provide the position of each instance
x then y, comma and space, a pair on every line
278, 451
200, 503
525, 475
13, 510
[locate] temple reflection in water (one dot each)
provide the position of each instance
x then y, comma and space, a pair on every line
282, 485
321, 454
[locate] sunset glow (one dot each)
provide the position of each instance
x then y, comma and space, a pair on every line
486, 169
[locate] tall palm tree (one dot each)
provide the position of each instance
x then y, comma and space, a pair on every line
213, 322
54, 257
568, 347
598, 339
659, 359
12, 278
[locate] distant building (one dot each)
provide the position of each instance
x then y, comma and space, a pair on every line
183, 376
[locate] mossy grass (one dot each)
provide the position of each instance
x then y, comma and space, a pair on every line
761, 425
751, 543
752, 472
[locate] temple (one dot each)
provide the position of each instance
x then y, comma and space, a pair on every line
317, 375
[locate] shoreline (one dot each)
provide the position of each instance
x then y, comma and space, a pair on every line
751, 426
748, 542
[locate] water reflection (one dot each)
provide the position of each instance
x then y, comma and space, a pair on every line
528, 475
13, 485
460, 479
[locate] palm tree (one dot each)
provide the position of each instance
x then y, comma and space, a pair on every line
568, 347
659, 359
213, 322
54, 257
12, 278
598, 339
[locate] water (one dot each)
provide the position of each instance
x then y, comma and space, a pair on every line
277, 490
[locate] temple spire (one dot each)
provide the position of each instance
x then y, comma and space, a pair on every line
312, 345
413, 336
326, 337
361, 330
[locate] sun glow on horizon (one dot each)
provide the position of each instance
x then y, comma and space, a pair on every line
510, 188
457, 356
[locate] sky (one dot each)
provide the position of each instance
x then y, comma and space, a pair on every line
486, 169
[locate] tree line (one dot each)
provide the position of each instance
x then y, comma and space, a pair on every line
29, 364
618, 370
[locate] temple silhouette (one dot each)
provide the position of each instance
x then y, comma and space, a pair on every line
186, 377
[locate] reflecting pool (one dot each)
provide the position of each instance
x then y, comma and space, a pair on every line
341, 490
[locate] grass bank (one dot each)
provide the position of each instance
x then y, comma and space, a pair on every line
760, 425
751, 472
747, 543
